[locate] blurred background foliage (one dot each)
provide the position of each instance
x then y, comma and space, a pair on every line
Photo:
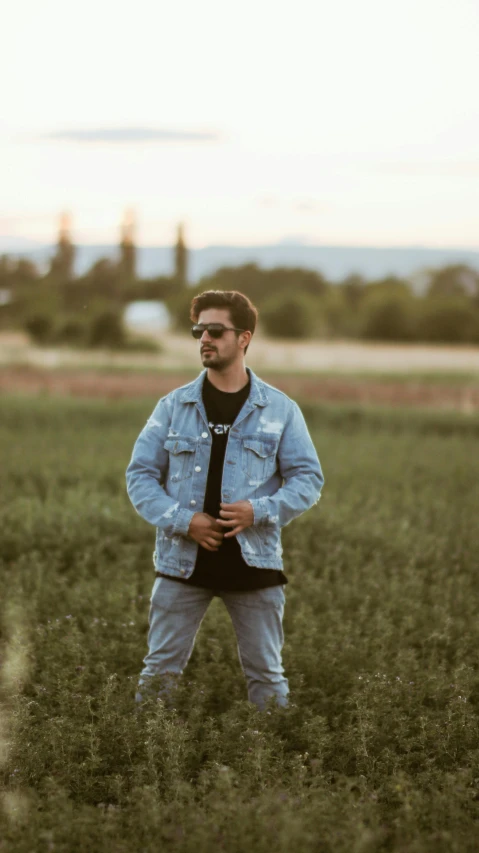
56, 307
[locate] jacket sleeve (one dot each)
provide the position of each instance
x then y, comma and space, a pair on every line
147, 472
300, 469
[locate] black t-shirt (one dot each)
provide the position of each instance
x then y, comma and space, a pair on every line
225, 569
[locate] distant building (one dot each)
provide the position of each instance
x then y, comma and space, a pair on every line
181, 259
62, 263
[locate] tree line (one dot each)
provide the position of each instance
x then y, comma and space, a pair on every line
292, 302
299, 303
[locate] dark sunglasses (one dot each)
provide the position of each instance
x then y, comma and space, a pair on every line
215, 330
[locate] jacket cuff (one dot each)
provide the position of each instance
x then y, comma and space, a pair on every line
260, 510
182, 522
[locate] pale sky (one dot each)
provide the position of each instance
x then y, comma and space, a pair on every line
333, 122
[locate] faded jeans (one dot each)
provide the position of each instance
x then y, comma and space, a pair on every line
176, 613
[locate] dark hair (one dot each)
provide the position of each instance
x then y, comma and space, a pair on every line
242, 311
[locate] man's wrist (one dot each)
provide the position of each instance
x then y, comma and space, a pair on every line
183, 521
260, 510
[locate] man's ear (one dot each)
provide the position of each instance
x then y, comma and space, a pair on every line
245, 338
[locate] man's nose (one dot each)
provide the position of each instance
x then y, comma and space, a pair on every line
207, 339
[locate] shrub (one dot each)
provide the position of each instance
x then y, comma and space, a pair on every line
107, 330
390, 318
288, 316
71, 332
40, 328
453, 280
448, 320
142, 343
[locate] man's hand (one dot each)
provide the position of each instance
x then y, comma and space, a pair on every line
205, 530
238, 515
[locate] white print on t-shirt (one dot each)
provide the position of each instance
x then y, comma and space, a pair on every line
219, 429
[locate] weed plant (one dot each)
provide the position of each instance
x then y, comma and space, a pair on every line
379, 749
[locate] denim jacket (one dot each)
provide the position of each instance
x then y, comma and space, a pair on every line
270, 460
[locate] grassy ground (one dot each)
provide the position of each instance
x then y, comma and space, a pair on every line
379, 749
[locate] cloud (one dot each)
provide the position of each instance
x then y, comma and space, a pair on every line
306, 206
431, 168
122, 135
10, 223
268, 201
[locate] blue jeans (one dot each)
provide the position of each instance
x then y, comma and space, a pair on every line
176, 613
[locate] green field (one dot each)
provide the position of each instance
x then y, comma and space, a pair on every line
379, 750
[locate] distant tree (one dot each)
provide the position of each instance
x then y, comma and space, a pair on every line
181, 259
387, 286
107, 330
290, 316
387, 310
127, 265
454, 280
293, 280
178, 304
247, 278
16, 273
261, 284
72, 332
390, 318
40, 328
340, 319
6, 265
448, 319
62, 264
25, 272
102, 281
353, 289
161, 288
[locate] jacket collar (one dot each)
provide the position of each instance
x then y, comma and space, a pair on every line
257, 395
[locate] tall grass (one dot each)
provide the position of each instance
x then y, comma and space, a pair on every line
379, 749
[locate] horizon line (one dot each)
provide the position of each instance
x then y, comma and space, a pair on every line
281, 243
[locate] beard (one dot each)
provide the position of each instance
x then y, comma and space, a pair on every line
214, 361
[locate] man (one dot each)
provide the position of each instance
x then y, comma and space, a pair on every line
221, 466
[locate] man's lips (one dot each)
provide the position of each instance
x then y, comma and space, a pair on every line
207, 349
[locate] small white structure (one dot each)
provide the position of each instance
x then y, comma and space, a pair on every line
146, 317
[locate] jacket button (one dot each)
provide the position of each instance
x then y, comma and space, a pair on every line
182, 571
192, 503
198, 468
204, 435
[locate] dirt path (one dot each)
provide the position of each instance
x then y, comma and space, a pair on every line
179, 353
123, 385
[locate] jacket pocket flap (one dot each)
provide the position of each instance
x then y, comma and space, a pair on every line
180, 445
260, 447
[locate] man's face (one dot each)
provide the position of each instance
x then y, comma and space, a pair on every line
220, 353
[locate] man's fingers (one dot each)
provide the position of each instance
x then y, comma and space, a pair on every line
228, 523
216, 537
212, 523
226, 513
234, 532
210, 544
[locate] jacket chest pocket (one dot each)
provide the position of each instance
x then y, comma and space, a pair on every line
258, 458
181, 450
